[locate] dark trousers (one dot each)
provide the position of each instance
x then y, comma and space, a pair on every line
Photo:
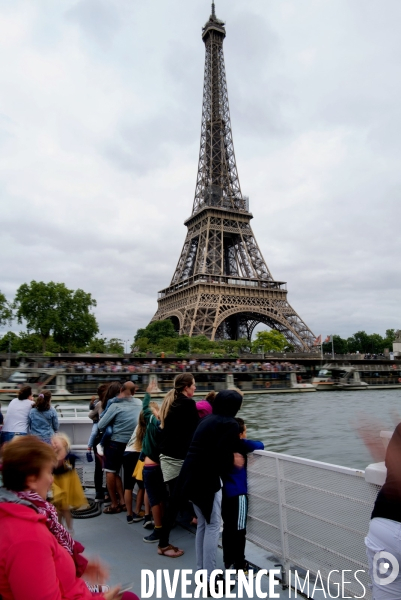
98, 479
172, 509
234, 512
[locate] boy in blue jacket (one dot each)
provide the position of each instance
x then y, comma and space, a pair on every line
234, 509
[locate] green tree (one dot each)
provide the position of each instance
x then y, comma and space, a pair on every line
52, 308
183, 344
142, 344
98, 345
269, 341
200, 344
115, 346
376, 343
6, 313
31, 342
389, 339
340, 345
156, 331
359, 342
76, 325
10, 342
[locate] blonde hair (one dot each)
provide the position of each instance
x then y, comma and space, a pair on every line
182, 381
155, 408
65, 439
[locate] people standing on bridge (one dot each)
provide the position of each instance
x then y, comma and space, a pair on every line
42, 418
123, 416
16, 419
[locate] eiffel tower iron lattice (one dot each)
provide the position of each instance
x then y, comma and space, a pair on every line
222, 287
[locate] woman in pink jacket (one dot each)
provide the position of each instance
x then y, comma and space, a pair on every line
34, 559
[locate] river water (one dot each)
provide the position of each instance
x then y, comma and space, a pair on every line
320, 425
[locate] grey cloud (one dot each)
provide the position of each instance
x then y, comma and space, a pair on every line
100, 19
95, 186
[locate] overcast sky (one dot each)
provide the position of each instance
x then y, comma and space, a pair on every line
100, 113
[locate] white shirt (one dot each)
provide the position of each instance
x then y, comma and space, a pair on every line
16, 419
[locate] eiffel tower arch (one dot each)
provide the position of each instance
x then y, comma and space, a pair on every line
222, 287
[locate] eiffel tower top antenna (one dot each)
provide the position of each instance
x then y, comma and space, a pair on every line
213, 10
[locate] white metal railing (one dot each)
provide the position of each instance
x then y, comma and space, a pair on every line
71, 412
310, 514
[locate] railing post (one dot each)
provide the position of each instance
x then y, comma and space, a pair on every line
283, 522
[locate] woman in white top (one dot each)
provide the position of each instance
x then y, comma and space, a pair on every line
16, 419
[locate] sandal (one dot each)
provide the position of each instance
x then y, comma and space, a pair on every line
174, 551
112, 510
123, 507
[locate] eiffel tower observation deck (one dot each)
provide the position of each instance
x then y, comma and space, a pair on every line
222, 287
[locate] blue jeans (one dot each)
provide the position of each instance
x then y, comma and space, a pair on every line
7, 436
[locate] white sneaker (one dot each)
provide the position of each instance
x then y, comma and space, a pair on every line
96, 588
99, 449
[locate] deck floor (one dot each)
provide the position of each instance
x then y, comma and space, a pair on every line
121, 546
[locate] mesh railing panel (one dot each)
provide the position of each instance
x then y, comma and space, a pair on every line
310, 514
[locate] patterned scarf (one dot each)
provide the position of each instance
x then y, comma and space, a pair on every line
52, 522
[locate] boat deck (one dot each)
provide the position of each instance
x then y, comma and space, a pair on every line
121, 546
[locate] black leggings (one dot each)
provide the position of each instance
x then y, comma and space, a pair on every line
234, 512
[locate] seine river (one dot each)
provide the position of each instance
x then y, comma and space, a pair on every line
320, 425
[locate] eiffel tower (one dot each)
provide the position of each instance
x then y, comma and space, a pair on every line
222, 287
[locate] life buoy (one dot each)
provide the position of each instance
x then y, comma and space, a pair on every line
268, 384
399, 380
299, 378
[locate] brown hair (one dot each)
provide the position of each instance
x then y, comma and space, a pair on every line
25, 392
101, 390
43, 401
112, 391
155, 408
210, 397
140, 431
24, 456
241, 424
182, 381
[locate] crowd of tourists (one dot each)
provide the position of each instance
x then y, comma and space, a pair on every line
181, 457
175, 366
